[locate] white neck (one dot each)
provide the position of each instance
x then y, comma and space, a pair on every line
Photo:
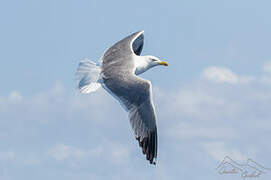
141, 64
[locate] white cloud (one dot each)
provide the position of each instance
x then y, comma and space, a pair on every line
12, 99
218, 150
62, 152
267, 67
194, 131
120, 153
220, 74
15, 97
190, 100
113, 152
200, 102
224, 75
265, 79
191, 115
7, 155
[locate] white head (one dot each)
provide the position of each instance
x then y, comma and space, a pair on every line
154, 61
143, 63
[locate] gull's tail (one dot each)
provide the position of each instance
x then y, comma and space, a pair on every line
88, 74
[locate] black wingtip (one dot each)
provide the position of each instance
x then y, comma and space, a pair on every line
149, 146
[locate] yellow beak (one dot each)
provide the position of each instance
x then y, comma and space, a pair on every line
163, 63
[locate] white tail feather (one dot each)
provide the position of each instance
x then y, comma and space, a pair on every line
88, 74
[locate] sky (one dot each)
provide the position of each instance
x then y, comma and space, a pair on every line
213, 100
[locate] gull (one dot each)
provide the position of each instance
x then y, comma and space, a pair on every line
117, 73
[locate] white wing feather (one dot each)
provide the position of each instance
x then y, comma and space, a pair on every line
88, 74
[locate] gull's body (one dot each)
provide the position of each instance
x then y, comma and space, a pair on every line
117, 73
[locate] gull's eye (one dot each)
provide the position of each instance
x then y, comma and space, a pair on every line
154, 60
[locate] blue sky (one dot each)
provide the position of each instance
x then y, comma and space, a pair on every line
212, 101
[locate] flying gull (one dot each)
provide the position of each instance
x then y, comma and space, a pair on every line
117, 74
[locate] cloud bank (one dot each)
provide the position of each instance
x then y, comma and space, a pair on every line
62, 134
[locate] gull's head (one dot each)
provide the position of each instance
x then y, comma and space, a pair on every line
154, 61
143, 63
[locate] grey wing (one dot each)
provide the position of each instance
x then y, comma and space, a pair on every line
119, 57
143, 121
134, 93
